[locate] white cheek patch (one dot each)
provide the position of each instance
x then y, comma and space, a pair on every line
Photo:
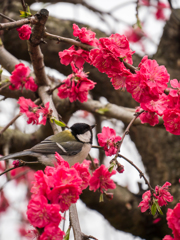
85, 137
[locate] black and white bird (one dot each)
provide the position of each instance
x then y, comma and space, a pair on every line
73, 145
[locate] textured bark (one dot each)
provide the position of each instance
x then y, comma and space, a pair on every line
158, 148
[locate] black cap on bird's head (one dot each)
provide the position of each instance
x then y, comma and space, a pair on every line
82, 132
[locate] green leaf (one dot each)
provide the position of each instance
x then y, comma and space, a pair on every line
113, 163
153, 209
28, 10
101, 198
59, 123
66, 237
25, 14
102, 110
158, 208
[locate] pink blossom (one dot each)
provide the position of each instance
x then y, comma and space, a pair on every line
45, 113
78, 56
172, 120
52, 232
158, 106
85, 36
30, 84
64, 195
163, 195
108, 140
24, 32
40, 213
174, 92
105, 62
20, 78
156, 76
4, 203
101, 179
173, 218
149, 117
64, 175
168, 237
118, 46
61, 161
30, 109
76, 86
120, 168
145, 2
119, 79
83, 171
150, 81
134, 34
40, 186
160, 10
16, 163
145, 204
136, 84
155, 221
30, 234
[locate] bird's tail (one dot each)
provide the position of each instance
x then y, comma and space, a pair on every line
14, 155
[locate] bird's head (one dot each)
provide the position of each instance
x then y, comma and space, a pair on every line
82, 132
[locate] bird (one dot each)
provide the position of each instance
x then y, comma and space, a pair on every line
72, 144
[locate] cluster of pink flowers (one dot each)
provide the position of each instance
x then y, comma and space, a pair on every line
55, 189
108, 140
76, 86
20, 78
167, 106
34, 112
107, 56
146, 85
173, 219
24, 32
161, 194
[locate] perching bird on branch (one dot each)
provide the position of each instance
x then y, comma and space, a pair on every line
73, 145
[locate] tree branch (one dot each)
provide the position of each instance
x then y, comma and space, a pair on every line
18, 23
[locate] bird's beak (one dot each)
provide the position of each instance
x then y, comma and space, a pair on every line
92, 126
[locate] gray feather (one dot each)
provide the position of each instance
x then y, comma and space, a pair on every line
64, 148
14, 155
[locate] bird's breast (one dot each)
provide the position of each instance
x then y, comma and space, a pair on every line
80, 156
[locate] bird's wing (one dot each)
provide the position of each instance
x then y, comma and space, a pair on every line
65, 148
72, 147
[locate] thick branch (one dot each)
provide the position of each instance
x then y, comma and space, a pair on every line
112, 111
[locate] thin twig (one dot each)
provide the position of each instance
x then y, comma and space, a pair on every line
130, 67
68, 40
93, 146
24, 5
8, 18
50, 91
140, 172
92, 161
10, 123
127, 131
137, 14
6, 85
22, 164
14, 178
15, 118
